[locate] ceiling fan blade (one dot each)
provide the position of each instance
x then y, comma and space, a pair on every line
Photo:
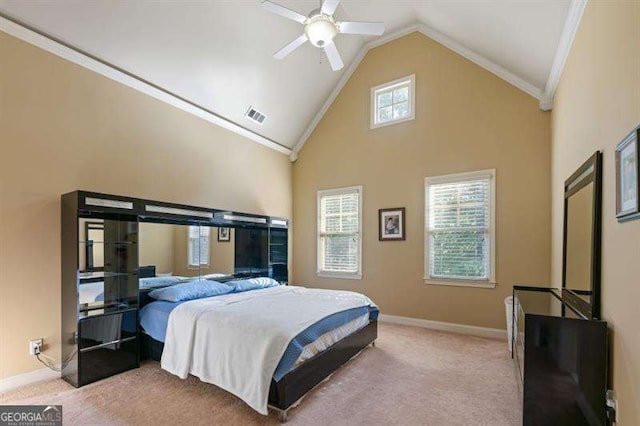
329, 7
364, 28
290, 47
334, 56
283, 11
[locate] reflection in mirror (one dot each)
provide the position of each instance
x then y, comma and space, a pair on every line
579, 243
94, 253
581, 238
568, 313
176, 253
252, 254
107, 259
91, 261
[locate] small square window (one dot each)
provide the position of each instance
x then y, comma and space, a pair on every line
393, 102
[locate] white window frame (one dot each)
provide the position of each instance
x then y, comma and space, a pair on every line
409, 80
332, 274
200, 264
461, 177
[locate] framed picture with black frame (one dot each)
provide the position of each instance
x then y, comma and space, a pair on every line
391, 224
224, 234
627, 174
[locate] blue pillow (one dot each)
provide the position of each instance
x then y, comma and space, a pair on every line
153, 281
252, 284
191, 290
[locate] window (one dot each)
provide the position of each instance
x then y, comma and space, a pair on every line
198, 246
460, 229
340, 233
393, 102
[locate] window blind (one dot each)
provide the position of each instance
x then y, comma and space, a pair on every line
460, 229
198, 245
339, 232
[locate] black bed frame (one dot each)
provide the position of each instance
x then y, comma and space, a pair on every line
285, 392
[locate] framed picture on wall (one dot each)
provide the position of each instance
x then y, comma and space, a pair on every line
224, 234
627, 173
391, 224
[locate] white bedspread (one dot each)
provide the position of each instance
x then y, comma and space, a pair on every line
236, 341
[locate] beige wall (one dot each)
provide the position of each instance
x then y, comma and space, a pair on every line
596, 105
64, 128
466, 119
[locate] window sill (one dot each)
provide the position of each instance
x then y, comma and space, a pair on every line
196, 267
342, 276
460, 283
391, 122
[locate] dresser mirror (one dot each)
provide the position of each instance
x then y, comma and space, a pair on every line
581, 246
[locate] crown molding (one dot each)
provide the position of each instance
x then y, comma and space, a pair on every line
576, 10
482, 61
437, 36
97, 65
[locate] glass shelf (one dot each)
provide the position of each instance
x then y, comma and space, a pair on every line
109, 243
87, 277
114, 290
95, 310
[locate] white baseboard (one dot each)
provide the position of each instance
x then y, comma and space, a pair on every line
29, 378
493, 333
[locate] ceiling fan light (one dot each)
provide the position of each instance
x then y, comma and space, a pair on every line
320, 31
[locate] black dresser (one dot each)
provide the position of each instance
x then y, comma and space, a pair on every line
99, 286
561, 359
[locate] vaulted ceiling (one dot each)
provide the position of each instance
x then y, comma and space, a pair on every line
218, 54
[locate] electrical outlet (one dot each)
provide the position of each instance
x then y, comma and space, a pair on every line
35, 347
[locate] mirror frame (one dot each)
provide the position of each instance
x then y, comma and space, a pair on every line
578, 180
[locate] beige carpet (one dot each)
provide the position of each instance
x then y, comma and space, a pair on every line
413, 376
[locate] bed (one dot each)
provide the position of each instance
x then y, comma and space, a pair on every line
274, 344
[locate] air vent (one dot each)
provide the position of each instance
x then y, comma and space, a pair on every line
255, 115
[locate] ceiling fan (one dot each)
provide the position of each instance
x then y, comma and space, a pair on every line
320, 28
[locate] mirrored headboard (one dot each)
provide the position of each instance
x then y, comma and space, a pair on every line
581, 237
174, 243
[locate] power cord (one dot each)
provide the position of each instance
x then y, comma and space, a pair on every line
63, 365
